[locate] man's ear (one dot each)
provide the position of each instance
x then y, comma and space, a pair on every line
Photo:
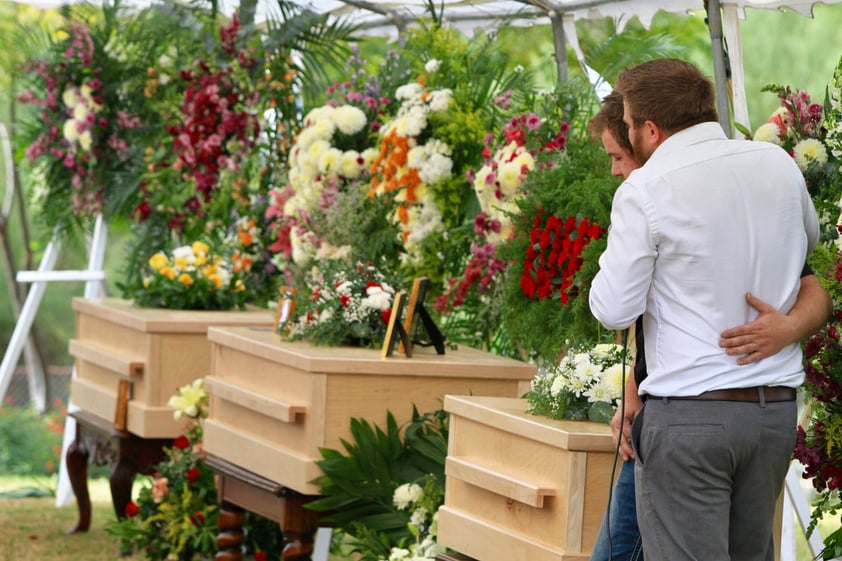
654, 134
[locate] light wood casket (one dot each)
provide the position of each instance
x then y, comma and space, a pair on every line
275, 403
521, 487
142, 355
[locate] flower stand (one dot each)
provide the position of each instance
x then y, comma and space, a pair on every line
129, 361
522, 487
274, 404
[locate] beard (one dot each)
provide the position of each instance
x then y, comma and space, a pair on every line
642, 151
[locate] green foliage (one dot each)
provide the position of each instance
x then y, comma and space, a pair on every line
30, 444
579, 185
359, 484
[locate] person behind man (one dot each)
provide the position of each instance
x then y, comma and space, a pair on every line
757, 339
703, 222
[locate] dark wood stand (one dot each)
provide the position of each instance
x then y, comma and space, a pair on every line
241, 491
100, 442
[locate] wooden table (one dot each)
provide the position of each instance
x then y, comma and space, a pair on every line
127, 454
241, 491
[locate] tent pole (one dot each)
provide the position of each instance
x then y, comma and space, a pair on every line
560, 45
720, 69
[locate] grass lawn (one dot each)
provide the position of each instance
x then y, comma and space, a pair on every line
34, 529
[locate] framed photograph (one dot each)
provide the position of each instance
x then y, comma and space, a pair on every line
395, 331
286, 307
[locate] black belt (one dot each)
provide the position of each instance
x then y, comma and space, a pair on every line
770, 394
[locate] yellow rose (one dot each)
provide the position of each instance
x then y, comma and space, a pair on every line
168, 272
158, 261
185, 279
200, 260
217, 280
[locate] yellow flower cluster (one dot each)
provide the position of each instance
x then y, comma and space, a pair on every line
190, 262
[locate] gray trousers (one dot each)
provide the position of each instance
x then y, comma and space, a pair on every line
708, 474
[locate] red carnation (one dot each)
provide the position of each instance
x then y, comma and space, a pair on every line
131, 509
193, 474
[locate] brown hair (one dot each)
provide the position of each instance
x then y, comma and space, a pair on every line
610, 118
671, 93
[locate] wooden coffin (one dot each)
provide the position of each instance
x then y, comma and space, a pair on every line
522, 487
131, 360
275, 403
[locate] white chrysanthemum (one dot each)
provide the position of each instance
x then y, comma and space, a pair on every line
303, 249
559, 384
349, 164
81, 112
408, 91
329, 161
399, 554
432, 65
604, 350
440, 100
524, 160
406, 495
419, 518
315, 151
438, 168
86, 93
768, 132
612, 380
70, 131
369, 155
349, 119
412, 123
318, 114
69, 98
809, 151
323, 129
303, 141
509, 178
86, 140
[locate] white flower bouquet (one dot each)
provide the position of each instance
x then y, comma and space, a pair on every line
586, 384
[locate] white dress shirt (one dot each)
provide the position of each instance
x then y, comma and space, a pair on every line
706, 220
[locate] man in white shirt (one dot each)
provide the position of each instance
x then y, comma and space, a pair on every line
703, 222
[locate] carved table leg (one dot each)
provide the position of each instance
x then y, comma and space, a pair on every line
299, 527
231, 539
77, 470
136, 455
120, 481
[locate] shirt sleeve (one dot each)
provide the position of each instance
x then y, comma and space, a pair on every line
618, 292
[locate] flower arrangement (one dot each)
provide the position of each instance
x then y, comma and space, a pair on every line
175, 516
321, 210
384, 489
423, 503
345, 304
810, 133
407, 167
526, 141
190, 278
78, 139
554, 252
585, 384
819, 446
